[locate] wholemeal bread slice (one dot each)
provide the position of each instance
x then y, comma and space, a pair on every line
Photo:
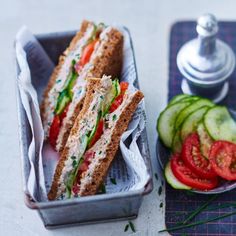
106, 59
104, 149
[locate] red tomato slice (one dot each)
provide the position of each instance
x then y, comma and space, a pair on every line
116, 103
63, 114
54, 131
193, 158
98, 133
186, 176
123, 86
88, 156
86, 54
223, 159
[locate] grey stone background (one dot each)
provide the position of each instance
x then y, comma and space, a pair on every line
149, 22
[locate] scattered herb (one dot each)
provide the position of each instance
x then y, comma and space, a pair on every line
132, 226
102, 97
156, 176
73, 62
94, 106
198, 210
162, 182
100, 152
161, 205
58, 81
74, 163
106, 125
160, 190
113, 180
126, 228
103, 188
114, 117
197, 223
73, 157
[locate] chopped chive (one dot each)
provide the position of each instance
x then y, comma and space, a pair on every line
156, 176
198, 222
198, 210
161, 205
226, 205
126, 227
103, 188
132, 226
160, 190
74, 163
114, 117
113, 180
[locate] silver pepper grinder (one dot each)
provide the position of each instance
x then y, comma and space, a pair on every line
206, 62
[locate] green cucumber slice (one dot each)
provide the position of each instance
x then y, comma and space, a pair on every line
220, 125
166, 122
90, 136
177, 98
205, 140
176, 143
191, 122
172, 180
110, 97
72, 175
62, 102
193, 107
186, 99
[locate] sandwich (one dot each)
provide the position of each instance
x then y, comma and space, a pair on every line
94, 138
94, 51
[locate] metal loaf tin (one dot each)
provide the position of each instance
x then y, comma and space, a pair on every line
91, 209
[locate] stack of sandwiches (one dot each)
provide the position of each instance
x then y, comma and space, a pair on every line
86, 109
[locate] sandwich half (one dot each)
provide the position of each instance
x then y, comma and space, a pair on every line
94, 138
94, 51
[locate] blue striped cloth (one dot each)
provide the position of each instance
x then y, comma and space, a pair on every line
179, 203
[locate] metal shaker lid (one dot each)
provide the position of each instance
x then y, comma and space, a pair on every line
205, 59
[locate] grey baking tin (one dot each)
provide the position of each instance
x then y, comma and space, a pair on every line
90, 209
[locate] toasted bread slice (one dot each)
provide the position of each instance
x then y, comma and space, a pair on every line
105, 148
106, 59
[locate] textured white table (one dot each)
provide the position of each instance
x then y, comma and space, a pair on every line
149, 23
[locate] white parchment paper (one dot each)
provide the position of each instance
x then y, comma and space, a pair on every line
128, 170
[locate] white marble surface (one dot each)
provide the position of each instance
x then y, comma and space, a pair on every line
149, 23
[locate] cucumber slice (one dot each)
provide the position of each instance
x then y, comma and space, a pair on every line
62, 102
177, 98
220, 125
90, 136
176, 143
166, 122
187, 98
205, 140
191, 122
172, 180
193, 107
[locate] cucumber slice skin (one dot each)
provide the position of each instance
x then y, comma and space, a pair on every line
219, 124
176, 145
187, 98
178, 98
190, 124
192, 107
166, 122
205, 140
172, 180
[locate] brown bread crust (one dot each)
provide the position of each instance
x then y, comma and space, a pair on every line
109, 63
53, 78
121, 125
92, 85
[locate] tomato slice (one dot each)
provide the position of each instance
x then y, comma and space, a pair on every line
86, 54
54, 130
223, 159
186, 176
193, 158
55, 127
98, 133
123, 86
116, 103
